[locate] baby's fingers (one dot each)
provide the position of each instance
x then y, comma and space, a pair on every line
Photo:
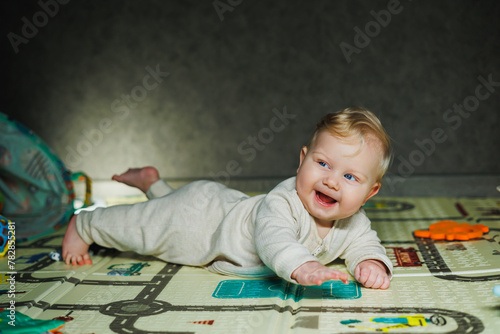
331, 274
340, 276
386, 282
362, 275
372, 279
379, 282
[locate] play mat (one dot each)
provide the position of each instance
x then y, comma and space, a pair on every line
439, 286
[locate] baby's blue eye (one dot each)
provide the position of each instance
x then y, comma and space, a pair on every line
350, 177
323, 164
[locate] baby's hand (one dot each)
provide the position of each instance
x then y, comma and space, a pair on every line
372, 274
314, 273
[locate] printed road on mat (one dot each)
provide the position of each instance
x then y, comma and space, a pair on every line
438, 286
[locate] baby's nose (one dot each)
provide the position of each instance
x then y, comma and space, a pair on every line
331, 181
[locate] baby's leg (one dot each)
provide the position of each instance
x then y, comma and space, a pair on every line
141, 178
74, 249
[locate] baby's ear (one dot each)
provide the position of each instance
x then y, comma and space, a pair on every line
373, 191
303, 153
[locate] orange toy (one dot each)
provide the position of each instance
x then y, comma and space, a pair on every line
450, 230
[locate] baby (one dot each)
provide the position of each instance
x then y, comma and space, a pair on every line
305, 222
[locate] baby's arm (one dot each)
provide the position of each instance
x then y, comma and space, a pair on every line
314, 273
372, 274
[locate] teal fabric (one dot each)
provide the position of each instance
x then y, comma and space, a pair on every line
36, 186
16, 322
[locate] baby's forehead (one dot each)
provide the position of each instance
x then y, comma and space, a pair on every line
366, 139
353, 137
373, 140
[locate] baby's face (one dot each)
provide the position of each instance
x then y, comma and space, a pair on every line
337, 175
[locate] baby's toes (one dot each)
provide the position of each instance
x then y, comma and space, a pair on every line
74, 260
67, 259
80, 260
87, 259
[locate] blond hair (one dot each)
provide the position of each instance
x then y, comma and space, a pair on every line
357, 121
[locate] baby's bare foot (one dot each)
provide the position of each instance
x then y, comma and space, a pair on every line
75, 251
141, 178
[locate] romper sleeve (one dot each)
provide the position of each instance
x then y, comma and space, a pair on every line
278, 234
363, 243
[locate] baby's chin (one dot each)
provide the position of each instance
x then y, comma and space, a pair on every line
326, 218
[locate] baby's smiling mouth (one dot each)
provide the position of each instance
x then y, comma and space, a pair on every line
325, 200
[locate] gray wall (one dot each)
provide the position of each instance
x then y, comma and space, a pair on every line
248, 80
